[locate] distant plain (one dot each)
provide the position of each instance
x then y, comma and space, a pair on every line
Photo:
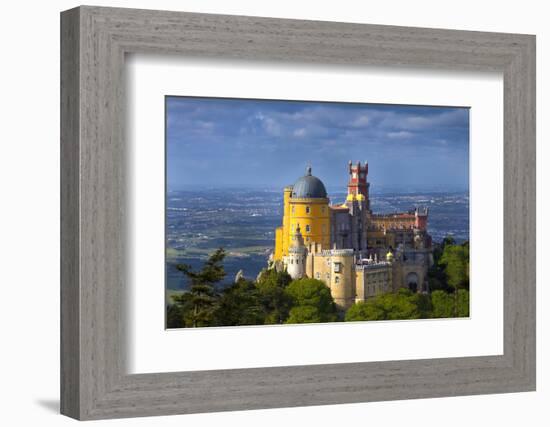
243, 222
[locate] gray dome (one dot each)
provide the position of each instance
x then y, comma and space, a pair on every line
309, 187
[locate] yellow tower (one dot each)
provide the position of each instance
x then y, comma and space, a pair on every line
342, 278
305, 204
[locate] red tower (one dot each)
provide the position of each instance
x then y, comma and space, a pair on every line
421, 218
357, 183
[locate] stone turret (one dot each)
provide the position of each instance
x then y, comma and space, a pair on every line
342, 277
421, 218
296, 259
357, 202
358, 185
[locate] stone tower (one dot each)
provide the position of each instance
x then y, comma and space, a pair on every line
305, 203
342, 280
358, 186
358, 204
296, 258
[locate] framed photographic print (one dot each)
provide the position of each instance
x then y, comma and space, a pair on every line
324, 212
243, 248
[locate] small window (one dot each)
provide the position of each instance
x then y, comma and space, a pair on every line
308, 210
327, 276
307, 239
337, 279
337, 267
318, 275
307, 228
292, 209
291, 261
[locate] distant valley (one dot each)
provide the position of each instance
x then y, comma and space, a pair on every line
243, 222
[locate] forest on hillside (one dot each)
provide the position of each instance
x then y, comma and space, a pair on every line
274, 298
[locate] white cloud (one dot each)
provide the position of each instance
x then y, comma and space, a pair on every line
361, 121
408, 122
399, 135
272, 127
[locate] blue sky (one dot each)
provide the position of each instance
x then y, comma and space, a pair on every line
214, 142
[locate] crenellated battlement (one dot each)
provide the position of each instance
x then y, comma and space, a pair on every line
337, 252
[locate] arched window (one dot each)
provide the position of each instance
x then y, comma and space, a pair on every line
308, 228
308, 210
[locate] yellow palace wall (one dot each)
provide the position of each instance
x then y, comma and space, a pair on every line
312, 215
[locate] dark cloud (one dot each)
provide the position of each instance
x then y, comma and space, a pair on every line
233, 142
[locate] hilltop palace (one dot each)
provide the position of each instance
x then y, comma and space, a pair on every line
354, 251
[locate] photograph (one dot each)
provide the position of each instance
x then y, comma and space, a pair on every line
289, 212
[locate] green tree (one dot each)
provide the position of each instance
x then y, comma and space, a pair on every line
199, 303
389, 306
361, 311
448, 240
311, 302
437, 279
463, 303
273, 278
305, 314
276, 302
436, 273
239, 304
443, 304
174, 316
423, 304
456, 262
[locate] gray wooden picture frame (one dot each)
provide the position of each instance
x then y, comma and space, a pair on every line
94, 41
